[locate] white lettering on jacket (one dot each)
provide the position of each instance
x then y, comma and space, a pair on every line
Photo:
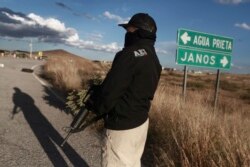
140, 53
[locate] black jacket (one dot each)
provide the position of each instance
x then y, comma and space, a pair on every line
129, 87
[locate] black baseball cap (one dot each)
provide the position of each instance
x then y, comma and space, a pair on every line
141, 21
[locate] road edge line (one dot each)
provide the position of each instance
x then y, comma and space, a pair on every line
46, 85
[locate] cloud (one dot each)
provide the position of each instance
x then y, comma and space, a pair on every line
4, 11
167, 48
234, 2
112, 47
85, 15
95, 36
75, 13
19, 25
62, 5
240, 68
114, 17
14, 25
31, 25
236, 66
243, 26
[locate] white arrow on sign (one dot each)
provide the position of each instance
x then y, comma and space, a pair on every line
224, 61
185, 38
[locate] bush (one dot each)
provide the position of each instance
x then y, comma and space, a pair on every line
76, 98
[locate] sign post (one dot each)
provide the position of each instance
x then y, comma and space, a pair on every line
217, 85
203, 50
184, 86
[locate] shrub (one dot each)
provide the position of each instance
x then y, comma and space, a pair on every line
76, 98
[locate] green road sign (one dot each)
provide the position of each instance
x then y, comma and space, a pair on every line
203, 58
202, 49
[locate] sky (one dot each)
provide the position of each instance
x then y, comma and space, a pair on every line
89, 28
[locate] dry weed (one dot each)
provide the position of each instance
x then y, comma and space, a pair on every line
69, 73
192, 135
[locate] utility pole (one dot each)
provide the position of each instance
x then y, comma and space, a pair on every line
30, 48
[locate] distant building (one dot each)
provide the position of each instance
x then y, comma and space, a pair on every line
107, 62
21, 54
2, 52
196, 72
167, 69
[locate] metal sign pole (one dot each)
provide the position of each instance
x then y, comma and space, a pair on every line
217, 89
184, 84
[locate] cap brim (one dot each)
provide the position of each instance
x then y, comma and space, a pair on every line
123, 25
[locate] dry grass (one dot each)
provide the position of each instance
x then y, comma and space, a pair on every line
191, 135
69, 73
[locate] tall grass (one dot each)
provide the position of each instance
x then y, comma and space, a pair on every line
67, 73
191, 135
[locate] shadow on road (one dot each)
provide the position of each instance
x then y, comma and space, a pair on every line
52, 100
46, 134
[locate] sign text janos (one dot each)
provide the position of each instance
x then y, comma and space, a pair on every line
203, 58
202, 49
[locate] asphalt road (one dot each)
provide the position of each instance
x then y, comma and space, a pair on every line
31, 122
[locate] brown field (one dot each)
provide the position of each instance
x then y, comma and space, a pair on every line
186, 134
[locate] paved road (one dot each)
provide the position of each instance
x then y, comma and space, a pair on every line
31, 121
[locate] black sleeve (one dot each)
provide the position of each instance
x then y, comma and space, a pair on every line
116, 81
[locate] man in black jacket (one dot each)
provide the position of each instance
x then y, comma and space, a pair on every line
126, 94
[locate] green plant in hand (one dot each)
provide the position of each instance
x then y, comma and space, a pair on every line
75, 98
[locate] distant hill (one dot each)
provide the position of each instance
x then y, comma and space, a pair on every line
57, 52
89, 65
60, 53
